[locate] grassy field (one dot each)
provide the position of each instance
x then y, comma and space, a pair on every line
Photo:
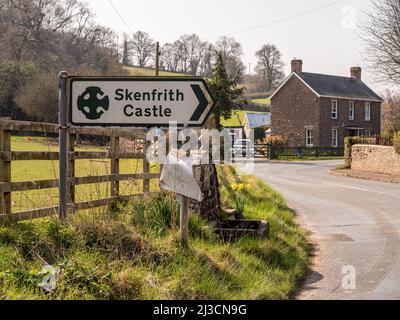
47, 170
147, 72
261, 102
236, 119
131, 252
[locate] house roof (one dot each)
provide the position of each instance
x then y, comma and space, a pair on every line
256, 120
335, 86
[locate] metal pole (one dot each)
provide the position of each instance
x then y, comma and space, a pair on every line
157, 59
63, 134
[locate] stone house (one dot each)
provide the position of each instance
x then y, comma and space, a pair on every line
318, 110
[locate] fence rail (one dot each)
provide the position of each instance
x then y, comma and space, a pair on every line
7, 156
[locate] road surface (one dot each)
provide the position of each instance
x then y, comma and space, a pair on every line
354, 225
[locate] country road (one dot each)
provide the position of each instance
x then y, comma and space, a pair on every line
354, 224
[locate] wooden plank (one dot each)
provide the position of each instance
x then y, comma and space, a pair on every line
45, 155
34, 155
28, 185
5, 172
115, 166
106, 155
47, 212
111, 178
146, 168
28, 126
111, 132
47, 184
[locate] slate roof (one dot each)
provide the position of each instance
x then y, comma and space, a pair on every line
256, 120
335, 86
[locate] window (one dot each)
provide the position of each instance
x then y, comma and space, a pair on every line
334, 109
351, 110
368, 133
367, 112
334, 139
309, 137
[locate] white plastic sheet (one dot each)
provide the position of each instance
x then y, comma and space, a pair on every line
177, 176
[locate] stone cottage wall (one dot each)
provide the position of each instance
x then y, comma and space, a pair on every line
377, 159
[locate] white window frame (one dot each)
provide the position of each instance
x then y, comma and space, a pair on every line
334, 137
334, 109
352, 110
367, 133
367, 111
310, 137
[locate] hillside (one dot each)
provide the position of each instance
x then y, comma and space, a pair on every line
148, 72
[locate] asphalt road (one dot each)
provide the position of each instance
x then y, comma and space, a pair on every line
354, 224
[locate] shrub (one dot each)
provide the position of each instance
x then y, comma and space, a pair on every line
396, 142
277, 141
158, 217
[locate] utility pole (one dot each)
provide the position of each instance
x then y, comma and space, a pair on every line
249, 69
157, 59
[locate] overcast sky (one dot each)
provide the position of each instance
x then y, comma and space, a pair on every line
326, 38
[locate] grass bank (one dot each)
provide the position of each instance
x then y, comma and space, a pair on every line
131, 251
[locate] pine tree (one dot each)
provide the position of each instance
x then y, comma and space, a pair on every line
228, 97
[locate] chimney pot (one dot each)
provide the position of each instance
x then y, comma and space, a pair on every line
355, 73
297, 66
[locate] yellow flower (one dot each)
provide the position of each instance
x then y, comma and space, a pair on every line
249, 186
241, 186
234, 186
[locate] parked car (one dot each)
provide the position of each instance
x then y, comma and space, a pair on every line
243, 147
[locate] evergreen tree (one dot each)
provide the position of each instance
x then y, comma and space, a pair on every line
228, 96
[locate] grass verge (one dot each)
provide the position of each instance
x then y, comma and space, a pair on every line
131, 251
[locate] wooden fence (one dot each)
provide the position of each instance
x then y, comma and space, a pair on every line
7, 186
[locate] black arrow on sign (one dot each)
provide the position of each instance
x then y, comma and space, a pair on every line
203, 102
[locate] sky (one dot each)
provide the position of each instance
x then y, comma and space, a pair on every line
323, 33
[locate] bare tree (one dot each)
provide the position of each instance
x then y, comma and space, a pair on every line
207, 59
170, 57
391, 113
381, 35
142, 47
270, 66
231, 52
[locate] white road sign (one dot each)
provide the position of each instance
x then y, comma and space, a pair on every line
138, 102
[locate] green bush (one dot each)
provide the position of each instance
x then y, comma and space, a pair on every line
160, 216
396, 142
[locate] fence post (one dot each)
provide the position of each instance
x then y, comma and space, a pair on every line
71, 169
146, 168
5, 173
115, 166
316, 152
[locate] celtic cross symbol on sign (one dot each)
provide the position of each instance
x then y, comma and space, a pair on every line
91, 100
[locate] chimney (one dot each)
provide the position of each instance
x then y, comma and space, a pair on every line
297, 66
356, 73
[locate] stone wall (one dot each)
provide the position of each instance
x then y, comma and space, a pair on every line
378, 159
206, 177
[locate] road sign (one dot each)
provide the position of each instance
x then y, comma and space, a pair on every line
138, 102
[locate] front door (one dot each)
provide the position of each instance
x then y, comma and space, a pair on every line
353, 132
